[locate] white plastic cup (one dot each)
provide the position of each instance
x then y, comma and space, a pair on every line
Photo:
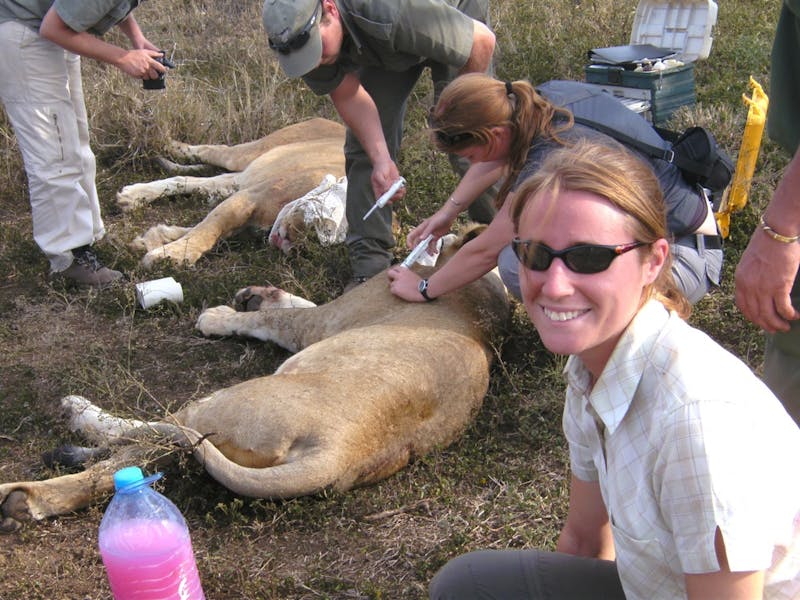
150, 293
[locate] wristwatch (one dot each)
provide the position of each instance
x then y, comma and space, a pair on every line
423, 289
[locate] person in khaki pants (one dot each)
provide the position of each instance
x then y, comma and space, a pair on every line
41, 44
368, 55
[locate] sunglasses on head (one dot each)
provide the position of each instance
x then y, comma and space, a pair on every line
297, 41
583, 258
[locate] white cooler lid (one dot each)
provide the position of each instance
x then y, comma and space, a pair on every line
682, 25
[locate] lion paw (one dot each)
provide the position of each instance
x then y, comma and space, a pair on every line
178, 252
252, 297
216, 321
14, 509
158, 236
263, 298
134, 196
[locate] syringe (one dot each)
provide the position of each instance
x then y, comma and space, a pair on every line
387, 195
417, 252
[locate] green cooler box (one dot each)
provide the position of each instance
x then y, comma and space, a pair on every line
654, 75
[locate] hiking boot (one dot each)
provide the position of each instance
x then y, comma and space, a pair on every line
354, 282
86, 269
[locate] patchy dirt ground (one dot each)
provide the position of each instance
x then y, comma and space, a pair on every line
503, 484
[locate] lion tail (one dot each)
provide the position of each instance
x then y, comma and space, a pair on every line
307, 474
304, 473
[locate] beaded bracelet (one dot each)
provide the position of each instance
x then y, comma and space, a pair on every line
785, 239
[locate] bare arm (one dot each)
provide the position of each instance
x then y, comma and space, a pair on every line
586, 531
767, 269
480, 57
138, 63
478, 177
471, 262
724, 585
358, 111
133, 32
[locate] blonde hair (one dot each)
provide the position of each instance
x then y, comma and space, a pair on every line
472, 104
608, 170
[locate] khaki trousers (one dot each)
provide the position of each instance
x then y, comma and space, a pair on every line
43, 97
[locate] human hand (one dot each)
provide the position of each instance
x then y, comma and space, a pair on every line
141, 64
383, 176
437, 225
764, 278
404, 283
145, 44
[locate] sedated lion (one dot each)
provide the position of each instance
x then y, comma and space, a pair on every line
374, 382
264, 175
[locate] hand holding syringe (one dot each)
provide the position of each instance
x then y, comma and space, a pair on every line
387, 195
417, 252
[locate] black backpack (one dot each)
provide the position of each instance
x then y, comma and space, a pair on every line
695, 152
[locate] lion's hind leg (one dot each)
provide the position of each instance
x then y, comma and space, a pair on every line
94, 423
177, 169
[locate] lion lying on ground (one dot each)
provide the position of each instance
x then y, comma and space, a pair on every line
265, 175
375, 381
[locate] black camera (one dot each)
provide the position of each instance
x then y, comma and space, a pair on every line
160, 82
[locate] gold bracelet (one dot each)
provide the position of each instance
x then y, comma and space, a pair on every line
784, 239
453, 200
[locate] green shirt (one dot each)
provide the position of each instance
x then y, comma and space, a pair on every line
783, 118
398, 34
94, 16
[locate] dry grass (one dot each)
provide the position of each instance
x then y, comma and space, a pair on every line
502, 485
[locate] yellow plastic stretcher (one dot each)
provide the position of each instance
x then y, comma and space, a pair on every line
736, 198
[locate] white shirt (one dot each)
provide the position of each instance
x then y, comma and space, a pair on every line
683, 438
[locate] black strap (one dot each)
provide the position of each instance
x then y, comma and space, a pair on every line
684, 163
655, 151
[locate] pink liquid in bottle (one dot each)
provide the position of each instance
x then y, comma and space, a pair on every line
150, 560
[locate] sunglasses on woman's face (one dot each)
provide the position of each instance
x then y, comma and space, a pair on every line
583, 258
451, 139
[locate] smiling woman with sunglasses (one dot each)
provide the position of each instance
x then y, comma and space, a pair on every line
683, 485
583, 258
505, 129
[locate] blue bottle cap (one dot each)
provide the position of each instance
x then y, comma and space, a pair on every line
131, 478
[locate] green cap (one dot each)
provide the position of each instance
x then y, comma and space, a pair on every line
293, 30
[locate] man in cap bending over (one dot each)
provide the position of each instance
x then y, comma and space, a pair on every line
368, 55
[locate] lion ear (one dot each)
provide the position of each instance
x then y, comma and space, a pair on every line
469, 231
452, 242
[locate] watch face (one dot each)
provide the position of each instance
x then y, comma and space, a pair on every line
423, 289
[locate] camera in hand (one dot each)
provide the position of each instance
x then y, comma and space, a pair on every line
159, 83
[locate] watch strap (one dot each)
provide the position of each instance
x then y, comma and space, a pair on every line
423, 289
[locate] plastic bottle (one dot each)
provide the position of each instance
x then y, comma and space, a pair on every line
145, 543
